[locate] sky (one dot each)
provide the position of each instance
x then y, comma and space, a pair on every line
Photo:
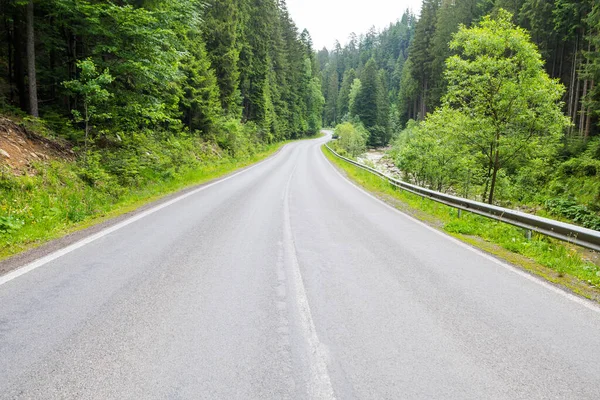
328, 20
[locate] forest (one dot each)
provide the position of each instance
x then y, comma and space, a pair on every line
143, 97
118, 75
492, 100
495, 100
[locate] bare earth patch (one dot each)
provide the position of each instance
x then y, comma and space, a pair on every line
21, 148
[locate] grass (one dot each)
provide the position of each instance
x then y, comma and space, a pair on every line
56, 201
553, 260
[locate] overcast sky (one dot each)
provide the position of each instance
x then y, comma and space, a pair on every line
328, 20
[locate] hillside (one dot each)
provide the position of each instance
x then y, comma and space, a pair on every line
21, 149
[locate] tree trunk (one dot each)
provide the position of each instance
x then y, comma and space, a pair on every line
18, 66
588, 122
571, 107
424, 101
87, 130
9, 44
583, 108
488, 175
493, 184
576, 103
562, 58
33, 100
496, 167
582, 118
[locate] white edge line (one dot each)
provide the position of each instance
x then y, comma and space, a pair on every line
540, 281
68, 249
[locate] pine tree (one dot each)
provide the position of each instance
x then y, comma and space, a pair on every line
421, 53
330, 112
368, 103
343, 101
254, 62
201, 103
450, 15
220, 31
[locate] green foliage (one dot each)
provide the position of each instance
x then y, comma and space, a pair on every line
370, 106
592, 67
200, 98
221, 29
64, 196
510, 107
90, 87
429, 153
330, 113
343, 100
578, 178
10, 224
479, 231
352, 139
174, 66
575, 212
355, 89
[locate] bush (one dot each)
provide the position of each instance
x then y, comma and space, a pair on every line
352, 138
578, 213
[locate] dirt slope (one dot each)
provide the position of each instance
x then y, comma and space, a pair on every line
20, 148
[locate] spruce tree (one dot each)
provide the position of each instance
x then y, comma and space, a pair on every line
421, 53
367, 103
343, 101
220, 29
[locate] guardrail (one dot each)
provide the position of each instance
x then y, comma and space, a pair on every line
578, 235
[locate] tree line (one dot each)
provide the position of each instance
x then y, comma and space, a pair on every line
496, 101
410, 57
110, 73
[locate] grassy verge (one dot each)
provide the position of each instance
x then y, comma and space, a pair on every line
56, 201
555, 261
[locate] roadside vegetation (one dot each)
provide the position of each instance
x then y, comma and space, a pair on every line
555, 261
140, 98
59, 199
498, 135
491, 100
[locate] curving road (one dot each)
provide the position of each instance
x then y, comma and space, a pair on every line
285, 281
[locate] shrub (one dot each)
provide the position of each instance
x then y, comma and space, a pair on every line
352, 138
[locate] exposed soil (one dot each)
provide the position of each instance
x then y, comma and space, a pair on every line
20, 148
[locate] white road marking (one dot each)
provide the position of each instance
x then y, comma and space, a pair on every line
59, 253
320, 386
584, 302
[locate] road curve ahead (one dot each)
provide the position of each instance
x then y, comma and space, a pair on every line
287, 282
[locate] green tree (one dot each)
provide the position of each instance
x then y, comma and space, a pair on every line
330, 112
200, 102
421, 53
220, 30
343, 100
450, 15
497, 84
355, 89
368, 103
91, 89
592, 67
352, 139
429, 154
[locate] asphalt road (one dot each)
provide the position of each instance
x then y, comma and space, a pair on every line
287, 282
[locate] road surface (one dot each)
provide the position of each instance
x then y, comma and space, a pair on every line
286, 281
